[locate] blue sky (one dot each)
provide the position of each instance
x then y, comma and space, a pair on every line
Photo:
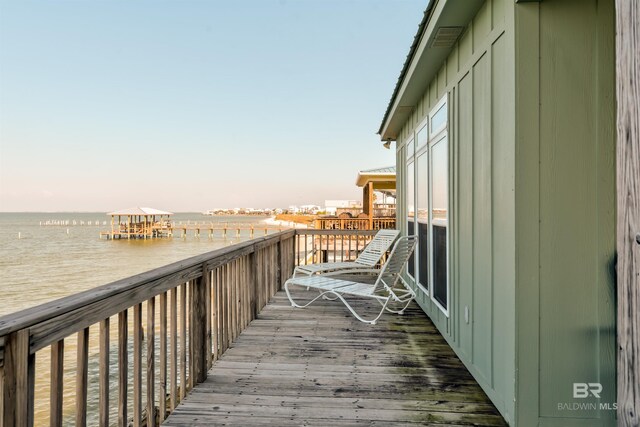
192, 105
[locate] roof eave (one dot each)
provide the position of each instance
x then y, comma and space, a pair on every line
424, 61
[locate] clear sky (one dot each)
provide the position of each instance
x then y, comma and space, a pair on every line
194, 105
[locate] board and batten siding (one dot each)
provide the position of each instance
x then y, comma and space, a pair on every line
481, 199
565, 211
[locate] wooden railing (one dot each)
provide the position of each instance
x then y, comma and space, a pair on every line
379, 210
146, 339
314, 246
355, 223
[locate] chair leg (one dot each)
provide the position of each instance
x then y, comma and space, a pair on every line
295, 304
357, 316
401, 311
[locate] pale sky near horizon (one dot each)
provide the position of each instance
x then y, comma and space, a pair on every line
194, 105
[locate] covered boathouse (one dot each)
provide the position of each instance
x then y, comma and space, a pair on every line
139, 223
504, 118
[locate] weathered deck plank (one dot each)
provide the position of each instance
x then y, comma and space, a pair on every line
320, 366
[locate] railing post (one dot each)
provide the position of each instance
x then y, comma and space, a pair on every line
19, 381
253, 284
198, 328
279, 266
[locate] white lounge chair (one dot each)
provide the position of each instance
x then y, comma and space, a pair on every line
389, 287
367, 260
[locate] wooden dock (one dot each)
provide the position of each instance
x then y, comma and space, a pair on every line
321, 367
197, 230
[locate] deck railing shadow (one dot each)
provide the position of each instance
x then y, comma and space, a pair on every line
129, 351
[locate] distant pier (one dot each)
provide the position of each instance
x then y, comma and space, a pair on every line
197, 230
149, 223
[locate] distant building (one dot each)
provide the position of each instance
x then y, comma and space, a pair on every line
331, 206
310, 209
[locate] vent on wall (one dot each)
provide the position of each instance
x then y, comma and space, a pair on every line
446, 36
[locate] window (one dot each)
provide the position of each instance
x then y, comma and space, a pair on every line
422, 137
427, 200
422, 216
439, 222
439, 118
411, 211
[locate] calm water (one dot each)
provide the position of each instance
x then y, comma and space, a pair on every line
52, 261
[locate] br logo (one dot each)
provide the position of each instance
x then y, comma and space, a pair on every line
584, 390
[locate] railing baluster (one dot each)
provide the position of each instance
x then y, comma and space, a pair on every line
207, 318
173, 324
137, 365
247, 289
18, 382
197, 328
82, 372
189, 349
216, 324
57, 383
214, 316
151, 358
183, 341
123, 367
236, 299
162, 383
104, 373
229, 303
232, 306
334, 249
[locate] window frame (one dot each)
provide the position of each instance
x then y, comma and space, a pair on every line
442, 134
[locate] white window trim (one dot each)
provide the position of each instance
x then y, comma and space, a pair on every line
442, 136
433, 140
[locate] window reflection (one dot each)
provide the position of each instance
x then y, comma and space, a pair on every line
423, 219
411, 211
439, 195
422, 137
439, 119
410, 190
439, 202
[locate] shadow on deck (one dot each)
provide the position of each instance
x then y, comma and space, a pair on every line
319, 366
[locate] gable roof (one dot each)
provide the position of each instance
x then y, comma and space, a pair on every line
378, 171
383, 178
140, 211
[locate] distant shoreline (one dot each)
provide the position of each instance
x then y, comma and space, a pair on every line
292, 221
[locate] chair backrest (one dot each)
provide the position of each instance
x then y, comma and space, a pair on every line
378, 246
393, 268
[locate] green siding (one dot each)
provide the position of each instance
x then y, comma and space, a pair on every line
571, 326
503, 219
481, 237
482, 262
532, 199
465, 215
571, 256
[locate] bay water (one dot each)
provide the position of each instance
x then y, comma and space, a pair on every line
46, 256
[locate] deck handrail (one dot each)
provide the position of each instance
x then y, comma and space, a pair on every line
220, 292
30, 316
202, 303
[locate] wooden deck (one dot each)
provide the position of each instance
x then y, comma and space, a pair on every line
320, 367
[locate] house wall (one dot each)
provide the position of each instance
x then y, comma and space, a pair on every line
479, 80
565, 210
